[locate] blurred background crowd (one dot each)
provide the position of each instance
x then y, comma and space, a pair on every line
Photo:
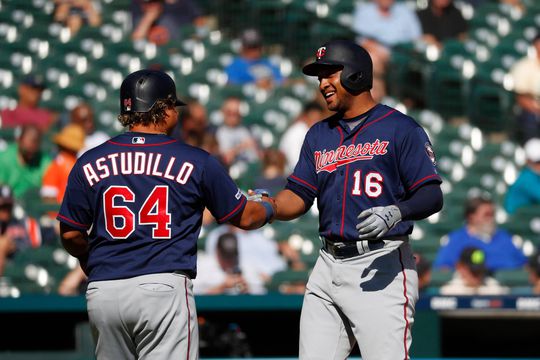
467, 70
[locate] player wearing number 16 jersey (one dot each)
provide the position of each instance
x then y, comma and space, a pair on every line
132, 214
372, 171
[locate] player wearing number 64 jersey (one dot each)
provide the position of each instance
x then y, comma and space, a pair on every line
132, 214
372, 171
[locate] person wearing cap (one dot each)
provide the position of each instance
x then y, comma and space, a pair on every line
70, 140
525, 191
225, 272
525, 74
257, 252
22, 164
27, 110
18, 233
251, 67
472, 276
132, 213
481, 231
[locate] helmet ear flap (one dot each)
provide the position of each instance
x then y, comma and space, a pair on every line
354, 81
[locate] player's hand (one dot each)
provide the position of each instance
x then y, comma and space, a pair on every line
257, 194
379, 221
263, 195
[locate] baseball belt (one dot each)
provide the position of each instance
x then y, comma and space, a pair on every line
345, 250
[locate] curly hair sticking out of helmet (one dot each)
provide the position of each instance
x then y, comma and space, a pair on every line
156, 115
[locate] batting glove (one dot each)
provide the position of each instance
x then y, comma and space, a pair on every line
257, 194
379, 221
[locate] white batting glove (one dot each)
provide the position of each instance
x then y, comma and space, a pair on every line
379, 221
257, 194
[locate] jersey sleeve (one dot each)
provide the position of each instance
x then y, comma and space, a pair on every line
76, 209
417, 164
221, 195
305, 174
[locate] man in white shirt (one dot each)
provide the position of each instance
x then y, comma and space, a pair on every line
471, 276
293, 137
224, 272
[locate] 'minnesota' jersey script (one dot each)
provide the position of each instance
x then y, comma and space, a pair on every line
379, 162
141, 196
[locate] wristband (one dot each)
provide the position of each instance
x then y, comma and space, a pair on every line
269, 211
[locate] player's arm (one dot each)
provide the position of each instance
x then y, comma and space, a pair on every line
292, 205
75, 242
425, 201
289, 205
255, 214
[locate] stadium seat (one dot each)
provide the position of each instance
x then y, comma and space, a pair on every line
440, 277
281, 279
513, 278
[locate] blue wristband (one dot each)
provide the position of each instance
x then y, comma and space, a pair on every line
269, 211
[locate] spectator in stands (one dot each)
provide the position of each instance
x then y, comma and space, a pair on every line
525, 191
70, 140
235, 140
226, 272
471, 276
273, 176
533, 268
292, 139
23, 164
481, 231
27, 110
83, 115
423, 268
255, 249
194, 124
526, 76
161, 21
145, 13
441, 21
381, 25
76, 13
251, 66
18, 233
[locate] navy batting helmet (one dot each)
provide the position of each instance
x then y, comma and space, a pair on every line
354, 60
140, 91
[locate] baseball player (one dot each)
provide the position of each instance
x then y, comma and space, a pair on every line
372, 171
132, 213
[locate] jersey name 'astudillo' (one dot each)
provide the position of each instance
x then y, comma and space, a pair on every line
136, 163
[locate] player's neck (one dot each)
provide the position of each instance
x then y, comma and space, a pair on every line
359, 105
148, 129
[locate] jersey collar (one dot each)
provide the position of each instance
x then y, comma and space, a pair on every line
362, 119
131, 138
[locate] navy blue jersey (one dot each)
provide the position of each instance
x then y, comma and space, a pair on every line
377, 163
142, 196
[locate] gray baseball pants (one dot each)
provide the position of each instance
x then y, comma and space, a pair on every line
368, 298
148, 317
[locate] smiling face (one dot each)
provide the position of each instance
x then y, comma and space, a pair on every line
336, 96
